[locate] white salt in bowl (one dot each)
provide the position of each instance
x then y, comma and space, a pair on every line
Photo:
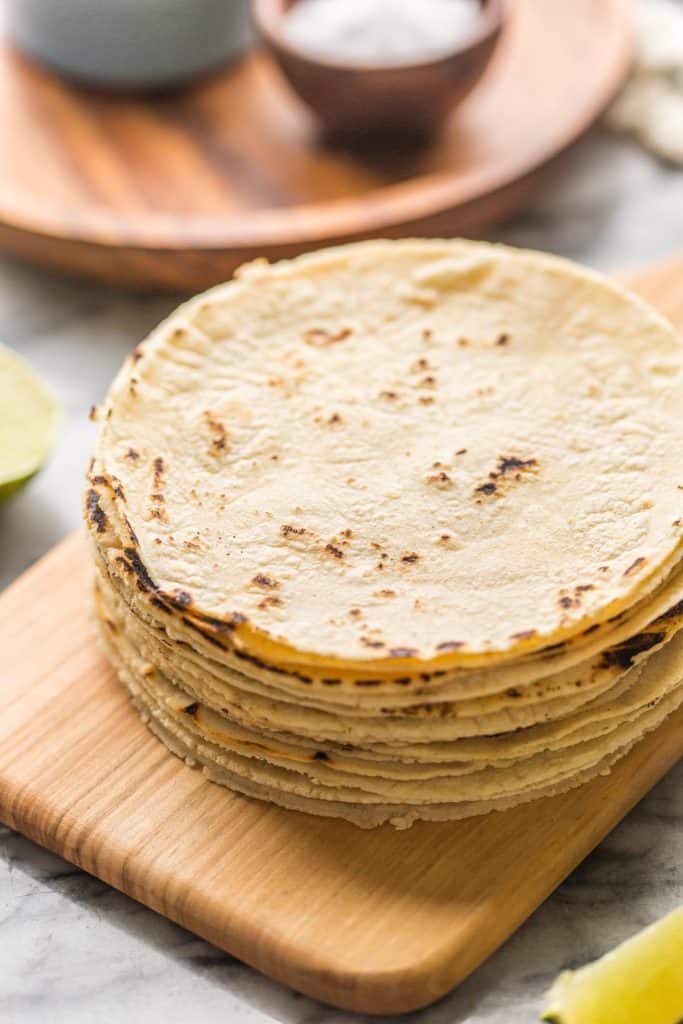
130, 43
364, 103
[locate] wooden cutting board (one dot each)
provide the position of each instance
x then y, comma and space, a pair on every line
378, 921
175, 191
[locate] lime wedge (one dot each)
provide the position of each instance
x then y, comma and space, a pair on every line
28, 418
640, 981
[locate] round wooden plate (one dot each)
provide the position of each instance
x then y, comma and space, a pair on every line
176, 191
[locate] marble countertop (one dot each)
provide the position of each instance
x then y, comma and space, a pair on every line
71, 948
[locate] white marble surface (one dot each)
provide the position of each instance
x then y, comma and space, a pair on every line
71, 949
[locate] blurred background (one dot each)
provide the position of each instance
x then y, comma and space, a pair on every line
146, 150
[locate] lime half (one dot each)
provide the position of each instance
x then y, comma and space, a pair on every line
640, 982
28, 419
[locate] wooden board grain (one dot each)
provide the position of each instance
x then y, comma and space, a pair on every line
176, 191
378, 921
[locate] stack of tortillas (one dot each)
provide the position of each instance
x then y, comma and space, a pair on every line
394, 531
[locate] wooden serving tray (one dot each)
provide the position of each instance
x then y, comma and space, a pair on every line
176, 191
378, 921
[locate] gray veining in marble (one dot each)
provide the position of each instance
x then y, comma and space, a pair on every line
73, 950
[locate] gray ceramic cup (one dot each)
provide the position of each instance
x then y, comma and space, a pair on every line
130, 43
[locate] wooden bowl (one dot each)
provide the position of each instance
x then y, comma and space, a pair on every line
364, 101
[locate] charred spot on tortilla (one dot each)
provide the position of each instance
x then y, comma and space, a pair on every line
94, 511
140, 569
258, 662
634, 566
218, 431
204, 631
321, 337
292, 531
673, 612
440, 479
158, 466
131, 532
488, 488
509, 463
222, 625
265, 582
555, 648
624, 654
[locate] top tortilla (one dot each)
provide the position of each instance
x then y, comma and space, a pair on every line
398, 453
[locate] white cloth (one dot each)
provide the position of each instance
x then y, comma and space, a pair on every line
651, 105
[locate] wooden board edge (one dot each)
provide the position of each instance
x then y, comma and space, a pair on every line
403, 989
